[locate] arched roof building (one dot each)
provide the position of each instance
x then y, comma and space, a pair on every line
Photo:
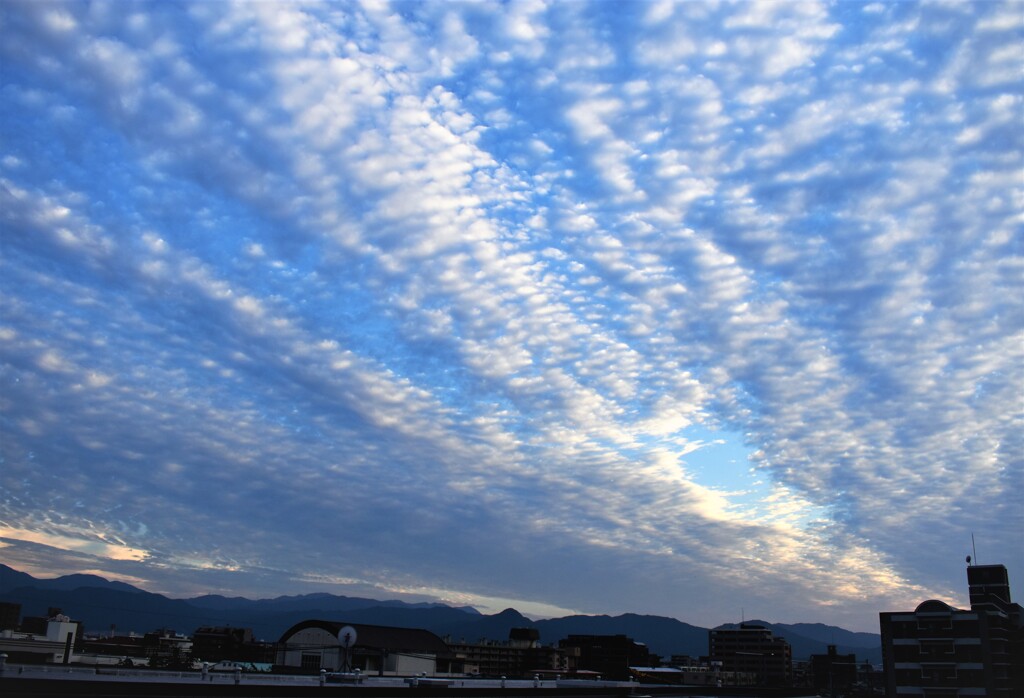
313, 645
937, 649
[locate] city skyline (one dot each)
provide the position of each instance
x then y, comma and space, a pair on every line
689, 309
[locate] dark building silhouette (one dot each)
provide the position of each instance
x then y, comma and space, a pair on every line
752, 649
524, 637
939, 650
522, 656
611, 656
129, 646
36, 625
216, 644
833, 672
989, 587
10, 615
167, 649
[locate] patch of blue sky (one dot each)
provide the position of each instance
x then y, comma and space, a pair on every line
722, 460
124, 198
712, 457
725, 462
55, 148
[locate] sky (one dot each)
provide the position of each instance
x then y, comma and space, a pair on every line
699, 309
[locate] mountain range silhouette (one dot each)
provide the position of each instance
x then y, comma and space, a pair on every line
101, 604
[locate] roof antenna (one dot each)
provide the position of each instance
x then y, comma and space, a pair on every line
974, 549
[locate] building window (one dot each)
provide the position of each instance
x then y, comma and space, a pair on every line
940, 623
310, 662
939, 673
936, 648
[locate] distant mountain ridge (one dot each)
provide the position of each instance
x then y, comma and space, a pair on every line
100, 603
321, 600
11, 578
663, 636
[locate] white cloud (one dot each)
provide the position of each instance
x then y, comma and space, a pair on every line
497, 267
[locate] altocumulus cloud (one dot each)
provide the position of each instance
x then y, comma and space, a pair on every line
655, 307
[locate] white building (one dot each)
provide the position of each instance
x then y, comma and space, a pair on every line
56, 645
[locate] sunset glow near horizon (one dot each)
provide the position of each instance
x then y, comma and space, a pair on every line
664, 308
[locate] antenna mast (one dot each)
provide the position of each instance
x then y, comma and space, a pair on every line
974, 549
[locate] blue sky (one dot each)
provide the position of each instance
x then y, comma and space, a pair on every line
671, 308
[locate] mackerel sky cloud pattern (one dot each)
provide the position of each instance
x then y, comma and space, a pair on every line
658, 307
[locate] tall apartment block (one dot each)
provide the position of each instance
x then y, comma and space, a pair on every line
752, 649
938, 650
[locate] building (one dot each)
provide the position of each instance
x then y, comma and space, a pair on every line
522, 656
313, 645
692, 676
167, 649
939, 650
10, 615
131, 649
45, 641
833, 672
611, 656
216, 644
752, 649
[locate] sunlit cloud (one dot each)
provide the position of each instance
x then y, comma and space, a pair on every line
93, 545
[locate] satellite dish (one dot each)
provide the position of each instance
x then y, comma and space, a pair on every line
347, 637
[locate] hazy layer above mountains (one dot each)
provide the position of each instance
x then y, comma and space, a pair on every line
102, 605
